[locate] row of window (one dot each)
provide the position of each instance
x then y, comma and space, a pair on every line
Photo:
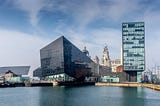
133, 38
131, 25
133, 68
131, 42
131, 32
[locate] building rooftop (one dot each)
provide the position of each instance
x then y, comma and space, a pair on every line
19, 70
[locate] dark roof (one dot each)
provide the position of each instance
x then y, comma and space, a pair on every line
9, 71
19, 70
60, 39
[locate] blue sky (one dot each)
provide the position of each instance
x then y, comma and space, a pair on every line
28, 25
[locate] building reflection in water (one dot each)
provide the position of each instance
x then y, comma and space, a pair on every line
132, 96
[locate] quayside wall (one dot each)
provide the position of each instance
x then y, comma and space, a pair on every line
151, 86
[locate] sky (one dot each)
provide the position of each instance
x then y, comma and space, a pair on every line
26, 26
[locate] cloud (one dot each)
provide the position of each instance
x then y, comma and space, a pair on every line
83, 13
152, 33
32, 7
152, 49
88, 11
111, 38
120, 8
19, 48
115, 11
95, 40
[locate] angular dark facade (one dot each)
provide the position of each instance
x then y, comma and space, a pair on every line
61, 56
37, 72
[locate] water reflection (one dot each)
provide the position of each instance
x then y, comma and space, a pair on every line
69, 96
61, 96
132, 97
79, 96
51, 96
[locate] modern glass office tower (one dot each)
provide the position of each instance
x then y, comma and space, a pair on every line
133, 44
62, 61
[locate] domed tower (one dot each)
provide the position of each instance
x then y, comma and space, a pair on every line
85, 51
96, 60
105, 57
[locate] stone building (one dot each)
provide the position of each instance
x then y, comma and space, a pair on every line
106, 58
114, 64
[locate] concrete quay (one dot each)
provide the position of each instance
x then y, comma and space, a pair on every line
53, 83
46, 84
151, 86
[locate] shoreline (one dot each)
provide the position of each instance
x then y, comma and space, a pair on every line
151, 86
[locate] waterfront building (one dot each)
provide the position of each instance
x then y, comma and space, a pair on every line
109, 79
133, 49
18, 70
1, 79
96, 60
37, 72
121, 56
157, 72
106, 58
114, 64
147, 76
15, 73
12, 77
62, 61
119, 68
158, 75
9, 74
85, 51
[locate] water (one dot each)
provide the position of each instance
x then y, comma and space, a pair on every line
79, 96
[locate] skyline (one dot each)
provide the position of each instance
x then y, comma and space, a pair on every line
26, 26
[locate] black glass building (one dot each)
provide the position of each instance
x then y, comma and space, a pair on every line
133, 44
63, 61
